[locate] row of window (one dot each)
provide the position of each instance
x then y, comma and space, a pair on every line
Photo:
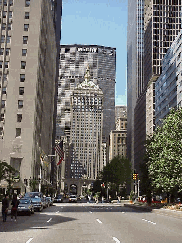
5, 2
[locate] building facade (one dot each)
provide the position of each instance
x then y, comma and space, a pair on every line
86, 129
168, 87
27, 88
74, 60
118, 137
135, 82
161, 24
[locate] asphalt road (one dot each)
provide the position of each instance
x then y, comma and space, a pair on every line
103, 223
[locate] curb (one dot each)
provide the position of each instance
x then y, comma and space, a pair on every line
143, 208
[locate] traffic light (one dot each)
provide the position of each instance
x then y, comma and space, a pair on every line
134, 176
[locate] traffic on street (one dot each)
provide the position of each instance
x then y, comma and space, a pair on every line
91, 222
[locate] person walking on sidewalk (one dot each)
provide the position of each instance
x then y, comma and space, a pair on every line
5, 206
14, 203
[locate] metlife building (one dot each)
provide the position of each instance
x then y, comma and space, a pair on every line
74, 60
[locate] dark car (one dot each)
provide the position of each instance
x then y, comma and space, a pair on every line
25, 206
38, 203
58, 199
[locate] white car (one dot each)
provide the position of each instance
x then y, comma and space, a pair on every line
72, 198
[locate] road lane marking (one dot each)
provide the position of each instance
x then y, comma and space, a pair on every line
90, 212
99, 221
29, 240
49, 220
114, 238
122, 212
148, 221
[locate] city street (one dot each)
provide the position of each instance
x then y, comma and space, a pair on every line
92, 223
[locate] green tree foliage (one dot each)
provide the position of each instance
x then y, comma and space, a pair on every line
117, 172
164, 154
6, 170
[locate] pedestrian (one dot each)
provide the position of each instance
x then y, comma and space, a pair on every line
14, 203
5, 206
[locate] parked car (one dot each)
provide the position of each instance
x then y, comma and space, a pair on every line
58, 198
73, 198
38, 203
50, 200
25, 206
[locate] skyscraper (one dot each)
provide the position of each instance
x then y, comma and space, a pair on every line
27, 88
161, 22
135, 82
86, 129
73, 62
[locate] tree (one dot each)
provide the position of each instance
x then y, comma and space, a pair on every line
117, 172
7, 173
164, 154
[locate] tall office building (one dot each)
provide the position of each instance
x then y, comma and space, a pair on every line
135, 82
161, 23
74, 60
86, 129
27, 88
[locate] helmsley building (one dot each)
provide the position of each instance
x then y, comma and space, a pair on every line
74, 60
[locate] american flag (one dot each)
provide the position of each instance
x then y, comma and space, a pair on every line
59, 150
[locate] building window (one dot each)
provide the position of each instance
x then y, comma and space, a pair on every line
19, 117
7, 51
1, 131
23, 65
24, 52
3, 103
8, 39
5, 2
21, 90
18, 132
20, 104
4, 90
1, 51
3, 26
4, 14
2, 117
2, 38
27, 3
25, 39
6, 64
26, 27
27, 15
0, 2
10, 14
1, 64
9, 26
22, 77
10, 2
5, 77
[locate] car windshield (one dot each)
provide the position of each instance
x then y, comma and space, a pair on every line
32, 194
22, 201
36, 199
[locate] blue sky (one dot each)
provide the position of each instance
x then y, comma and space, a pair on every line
99, 22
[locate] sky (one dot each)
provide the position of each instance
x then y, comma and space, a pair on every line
99, 22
